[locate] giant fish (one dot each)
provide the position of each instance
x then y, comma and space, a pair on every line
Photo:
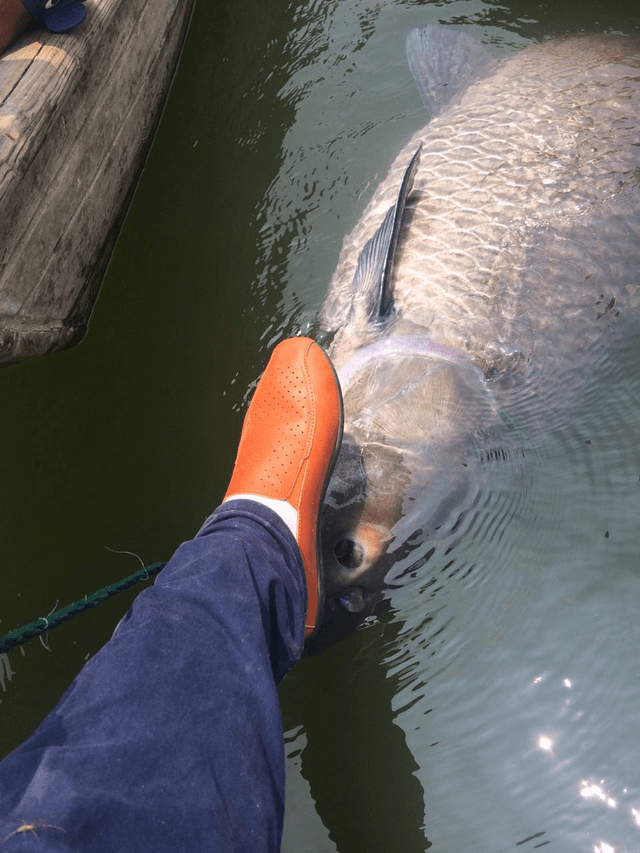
494, 262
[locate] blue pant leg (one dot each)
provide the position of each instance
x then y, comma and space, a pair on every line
170, 738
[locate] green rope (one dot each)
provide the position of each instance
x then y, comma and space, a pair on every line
46, 623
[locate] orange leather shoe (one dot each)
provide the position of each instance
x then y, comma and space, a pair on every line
288, 447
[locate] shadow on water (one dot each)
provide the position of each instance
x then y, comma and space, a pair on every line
361, 774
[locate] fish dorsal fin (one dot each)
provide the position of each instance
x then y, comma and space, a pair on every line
372, 278
444, 62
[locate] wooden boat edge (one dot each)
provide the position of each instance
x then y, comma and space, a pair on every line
77, 116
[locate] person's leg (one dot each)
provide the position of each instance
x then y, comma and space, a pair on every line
170, 738
14, 20
59, 16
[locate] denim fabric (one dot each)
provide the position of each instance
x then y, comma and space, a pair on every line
170, 739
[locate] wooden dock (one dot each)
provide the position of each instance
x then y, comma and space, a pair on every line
77, 114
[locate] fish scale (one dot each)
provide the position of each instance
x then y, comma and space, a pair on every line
552, 132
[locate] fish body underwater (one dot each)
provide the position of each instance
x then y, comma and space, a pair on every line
494, 262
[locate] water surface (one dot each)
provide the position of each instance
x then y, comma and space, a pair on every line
494, 707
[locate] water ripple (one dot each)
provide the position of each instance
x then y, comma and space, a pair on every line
517, 683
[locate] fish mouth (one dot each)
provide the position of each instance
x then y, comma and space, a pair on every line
357, 599
345, 611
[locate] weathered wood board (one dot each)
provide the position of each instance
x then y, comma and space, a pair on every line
77, 114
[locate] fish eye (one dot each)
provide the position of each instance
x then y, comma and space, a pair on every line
348, 553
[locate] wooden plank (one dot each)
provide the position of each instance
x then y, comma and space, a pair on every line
76, 115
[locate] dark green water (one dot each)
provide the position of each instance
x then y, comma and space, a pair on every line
280, 122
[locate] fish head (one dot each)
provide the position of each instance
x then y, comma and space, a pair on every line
410, 418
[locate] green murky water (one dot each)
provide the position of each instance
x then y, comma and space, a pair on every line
281, 120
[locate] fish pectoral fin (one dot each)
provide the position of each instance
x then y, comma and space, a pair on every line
444, 63
372, 279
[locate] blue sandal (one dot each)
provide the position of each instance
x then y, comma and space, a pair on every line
59, 16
